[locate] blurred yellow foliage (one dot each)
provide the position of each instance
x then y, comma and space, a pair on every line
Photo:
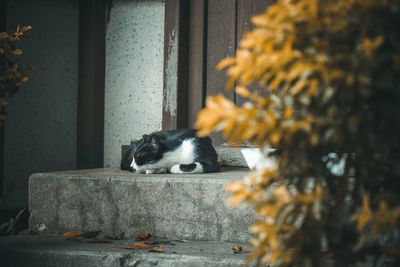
12, 74
328, 98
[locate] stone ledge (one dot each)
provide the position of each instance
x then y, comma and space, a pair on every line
185, 206
35, 251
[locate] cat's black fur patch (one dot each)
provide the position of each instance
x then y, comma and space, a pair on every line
150, 149
187, 167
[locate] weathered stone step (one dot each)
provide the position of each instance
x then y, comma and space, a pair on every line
184, 206
35, 251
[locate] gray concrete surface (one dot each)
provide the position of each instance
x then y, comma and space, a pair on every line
134, 74
40, 130
230, 156
35, 251
186, 206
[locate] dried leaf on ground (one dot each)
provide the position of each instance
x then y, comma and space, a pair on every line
239, 250
142, 245
73, 233
143, 236
160, 249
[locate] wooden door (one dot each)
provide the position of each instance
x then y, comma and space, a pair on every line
215, 28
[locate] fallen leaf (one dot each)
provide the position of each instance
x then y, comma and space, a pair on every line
157, 250
98, 241
73, 233
143, 245
239, 250
143, 236
138, 245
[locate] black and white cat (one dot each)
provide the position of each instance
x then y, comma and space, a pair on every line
175, 151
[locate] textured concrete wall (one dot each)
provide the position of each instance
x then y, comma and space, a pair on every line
40, 131
134, 73
173, 206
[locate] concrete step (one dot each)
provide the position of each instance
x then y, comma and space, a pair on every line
37, 250
184, 206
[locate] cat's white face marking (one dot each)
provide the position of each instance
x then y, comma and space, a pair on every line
133, 164
184, 154
198, 169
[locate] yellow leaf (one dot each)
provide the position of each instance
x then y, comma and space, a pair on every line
312, 89
73, 233
225, 63
26, 28
288, 113
260, 20
298, 86
234, 186
237, 198
275, 137
282, 194
254, 255
17, 52
242, 91
247, 43
369, 46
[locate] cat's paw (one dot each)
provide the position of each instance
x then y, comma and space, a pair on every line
156, 171
175, 169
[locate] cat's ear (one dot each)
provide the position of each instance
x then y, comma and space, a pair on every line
155, 145
146, 138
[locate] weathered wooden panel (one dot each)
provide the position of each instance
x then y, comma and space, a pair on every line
247, 9
175, 64
197, 58
221, 42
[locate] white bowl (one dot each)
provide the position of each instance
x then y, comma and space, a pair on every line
255, 159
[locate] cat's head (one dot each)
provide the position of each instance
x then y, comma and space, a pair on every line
146, 151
